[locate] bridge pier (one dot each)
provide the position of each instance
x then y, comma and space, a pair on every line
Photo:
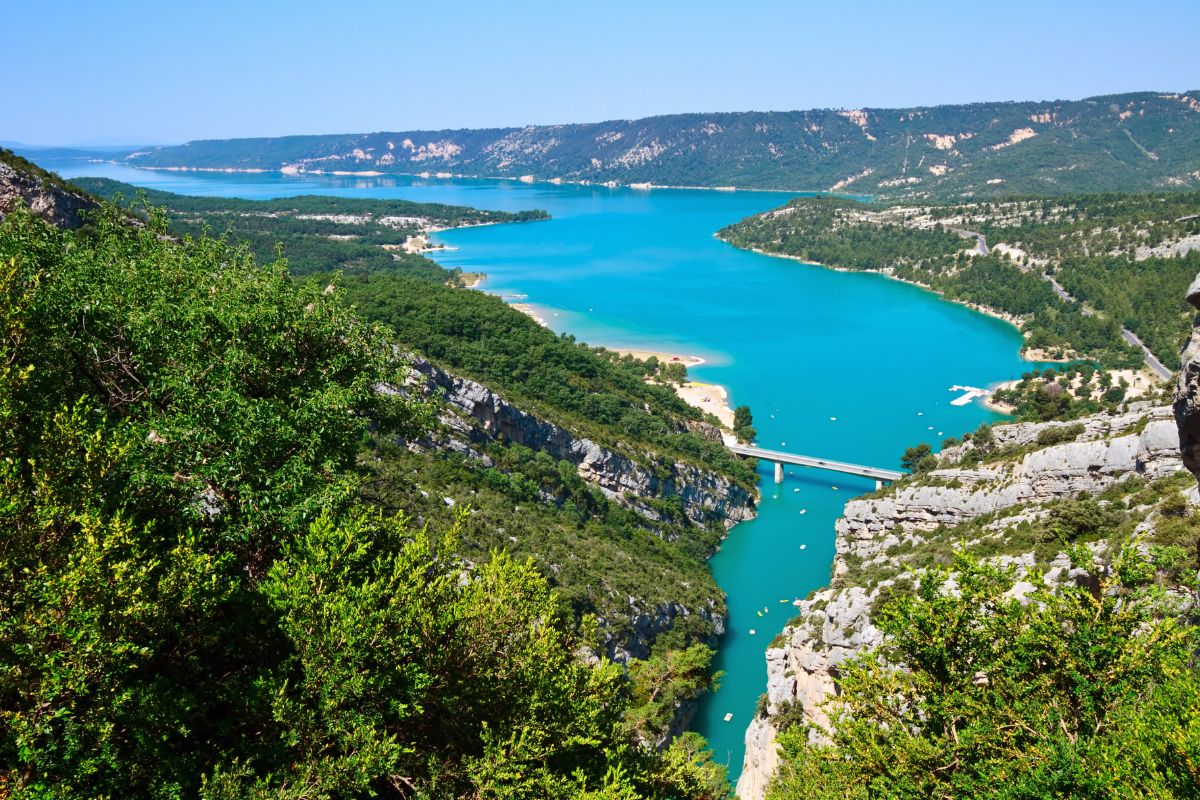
779, 472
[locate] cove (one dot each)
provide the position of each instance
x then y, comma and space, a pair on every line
846, 366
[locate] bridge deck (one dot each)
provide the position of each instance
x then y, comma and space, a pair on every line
781, 457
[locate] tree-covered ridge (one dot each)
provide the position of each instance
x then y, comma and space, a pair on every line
195, 599
1127, 257
318, 233
601, 558
547, 512
591, 391
619, 401
1139, 141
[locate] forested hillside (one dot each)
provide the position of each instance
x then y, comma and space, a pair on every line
317, 233
1122, 260
1129, 142
208, 589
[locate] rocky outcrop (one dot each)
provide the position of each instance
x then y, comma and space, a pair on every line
43, 195
1141, 441
647, 623
1187, 392
475, 415
835, 623
482, 415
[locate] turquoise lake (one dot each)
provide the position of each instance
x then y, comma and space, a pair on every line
801, 345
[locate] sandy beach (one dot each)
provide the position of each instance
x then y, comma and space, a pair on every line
711, 398
531, 310
644, 355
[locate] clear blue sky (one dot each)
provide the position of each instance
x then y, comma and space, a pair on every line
123, 71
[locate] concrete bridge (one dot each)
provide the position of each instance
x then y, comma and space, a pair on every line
880, 476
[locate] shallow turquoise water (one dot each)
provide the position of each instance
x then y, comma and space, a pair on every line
800, 344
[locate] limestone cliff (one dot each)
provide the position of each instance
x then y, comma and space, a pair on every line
1187, 392
979, 501
483, 415
475, 415
41, 192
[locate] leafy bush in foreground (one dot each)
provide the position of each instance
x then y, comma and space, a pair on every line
1083, 691
194, 602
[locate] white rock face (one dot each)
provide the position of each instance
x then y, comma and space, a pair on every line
834, 624
476, 415
705, 494
54, 204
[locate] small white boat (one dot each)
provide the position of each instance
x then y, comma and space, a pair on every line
752, 631
833, 419
803, 547
784, 600
728, 717
834, 488
795, 490
804, 511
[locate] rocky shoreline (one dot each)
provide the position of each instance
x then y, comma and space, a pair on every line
877, 533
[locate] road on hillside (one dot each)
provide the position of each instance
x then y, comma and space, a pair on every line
1151, 360
1062, 293
1159, 368
980, 240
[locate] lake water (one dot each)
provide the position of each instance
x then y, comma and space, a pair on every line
846, 366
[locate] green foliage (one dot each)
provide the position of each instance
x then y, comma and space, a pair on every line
1059, 435
918, 459
1079, 519
743, 424
242, 397
596, 553
1062, 393
664, 682
592, 392
1147, 295
1082, 692
193, 601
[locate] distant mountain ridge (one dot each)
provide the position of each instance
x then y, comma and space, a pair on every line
1137, 141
